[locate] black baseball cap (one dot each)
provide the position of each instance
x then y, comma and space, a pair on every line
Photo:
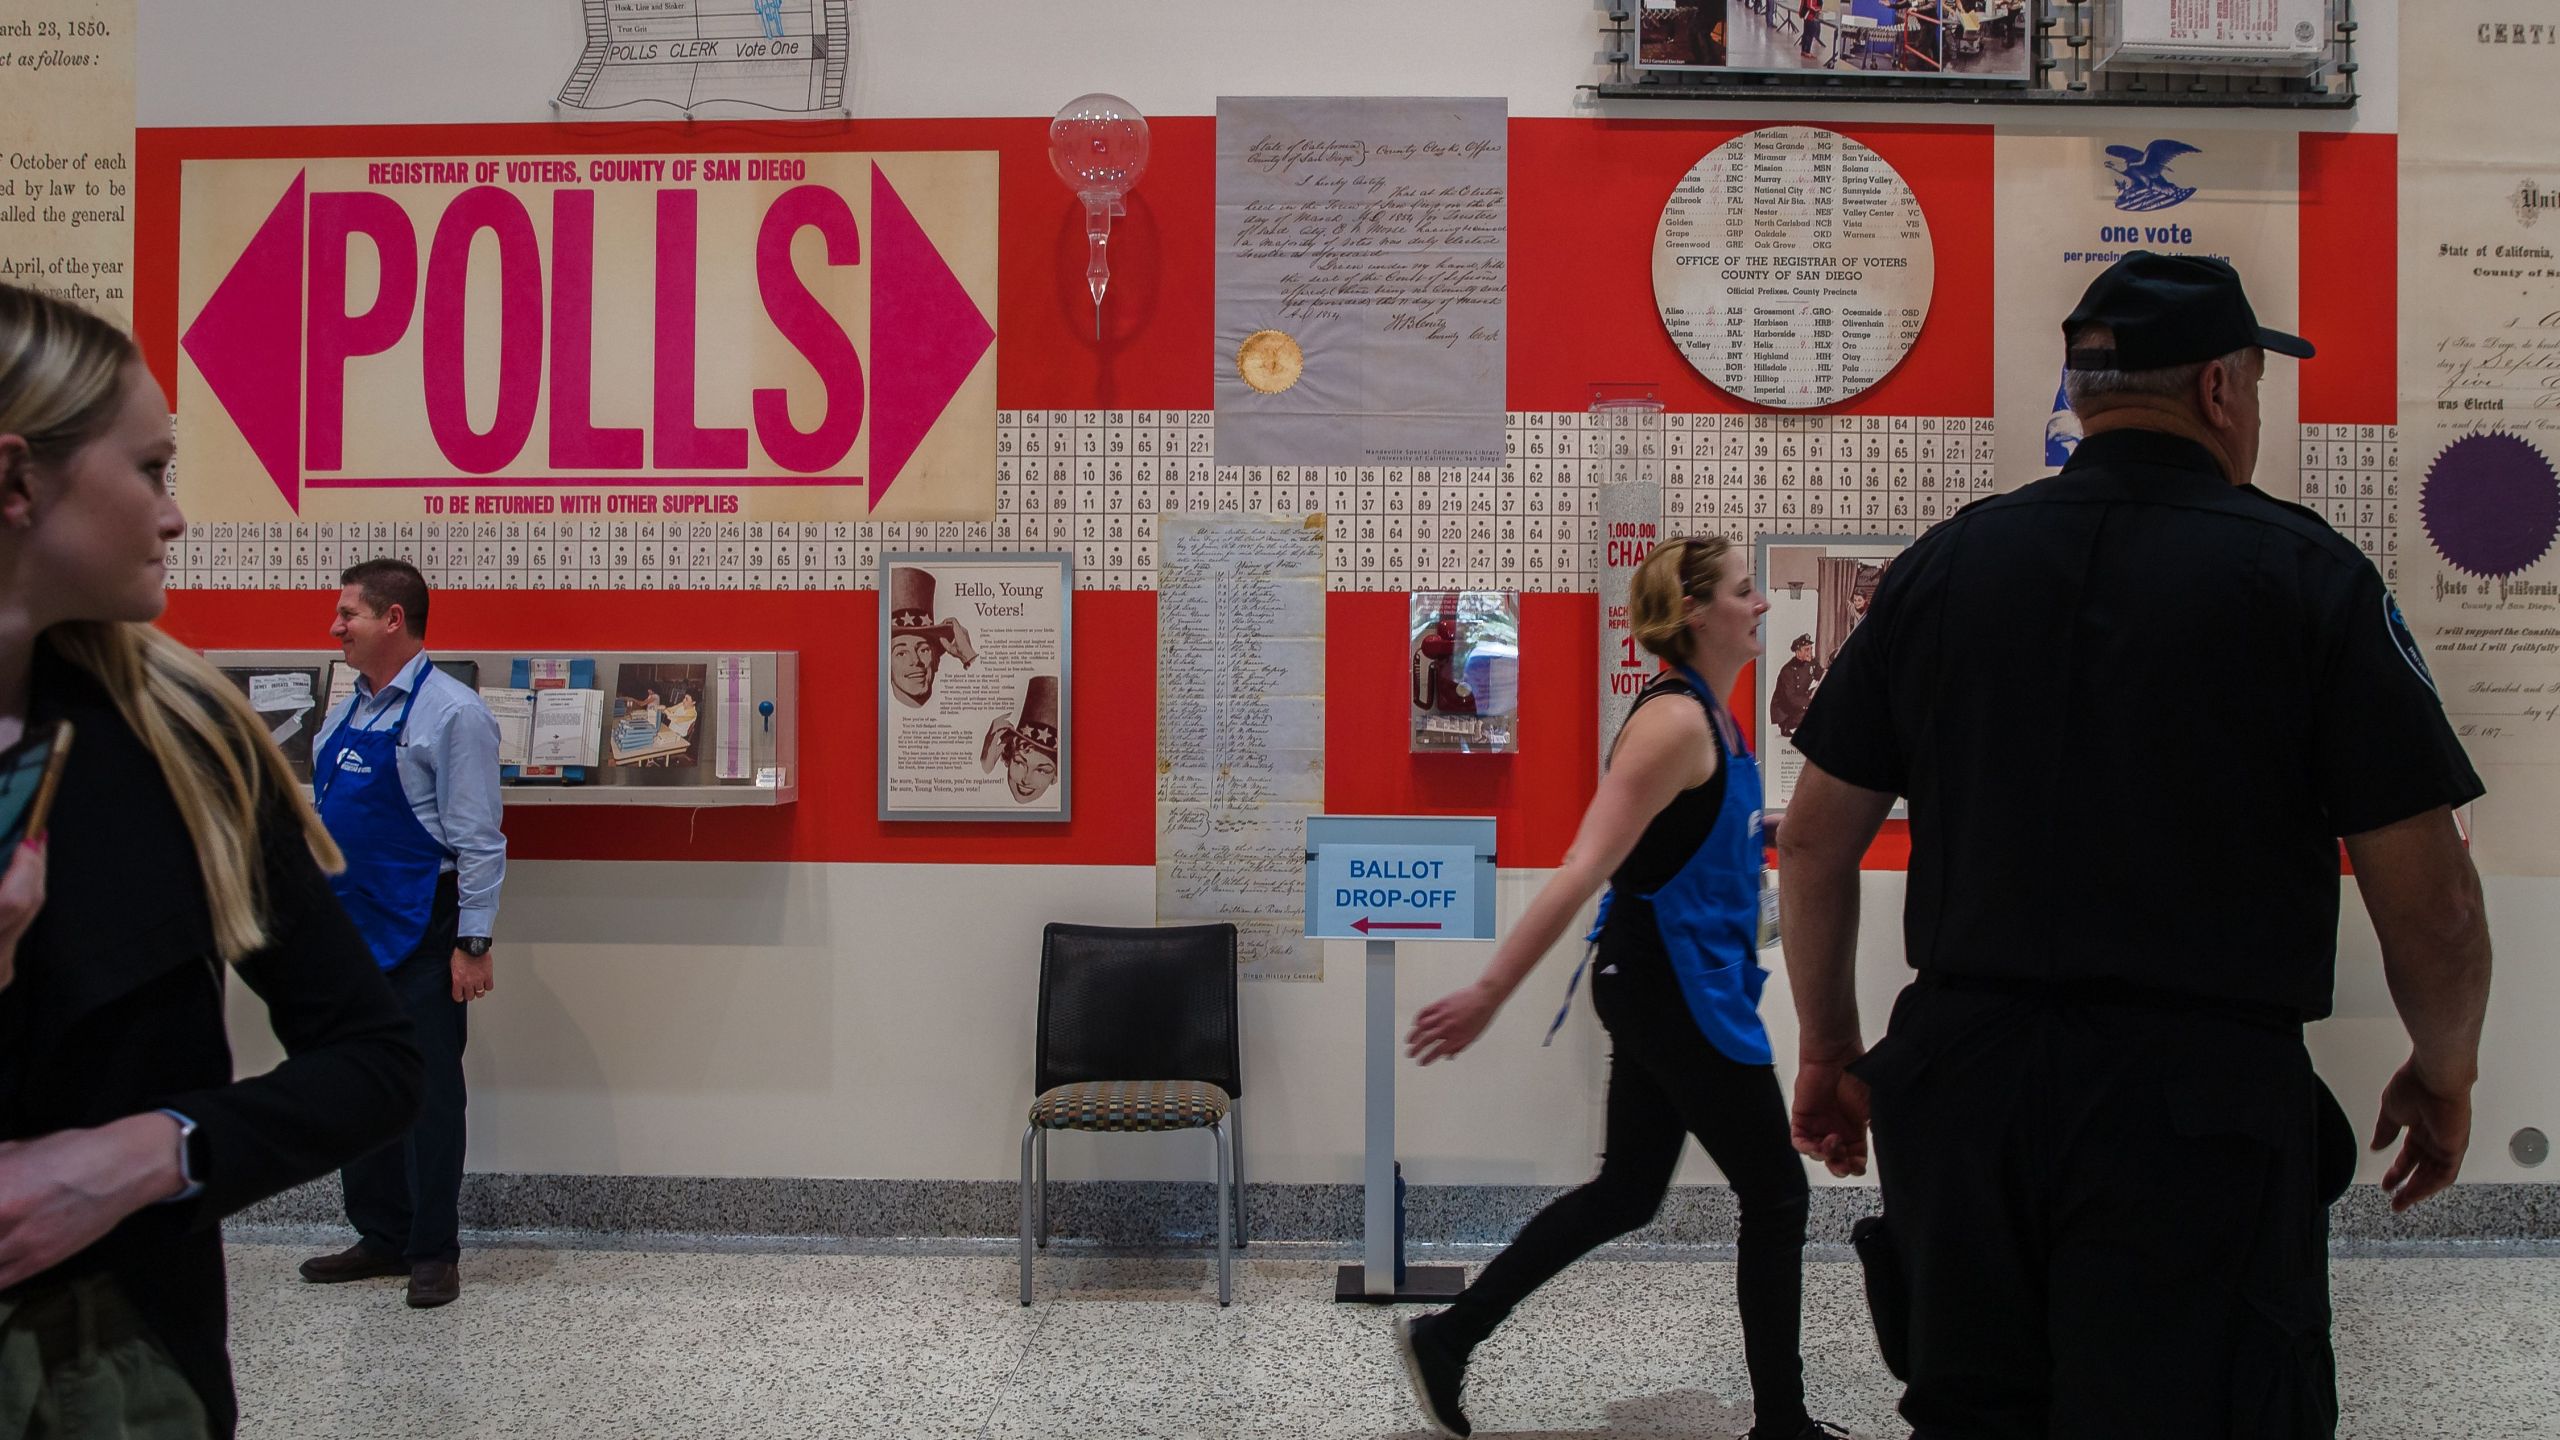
2167, 310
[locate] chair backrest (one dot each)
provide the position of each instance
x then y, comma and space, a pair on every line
1152, 1003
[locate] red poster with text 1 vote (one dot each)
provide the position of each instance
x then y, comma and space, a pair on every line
796, 337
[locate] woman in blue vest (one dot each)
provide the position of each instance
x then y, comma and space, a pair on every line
1674, 831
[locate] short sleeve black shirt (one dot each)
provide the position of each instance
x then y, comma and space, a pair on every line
2133, 707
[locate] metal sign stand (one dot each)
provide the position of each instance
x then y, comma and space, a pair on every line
1413, 863
1373, 1281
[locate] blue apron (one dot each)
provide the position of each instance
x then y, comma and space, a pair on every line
393, 863
1709, 913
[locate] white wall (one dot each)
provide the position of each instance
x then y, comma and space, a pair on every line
875, 1021
735, 1019
216, 62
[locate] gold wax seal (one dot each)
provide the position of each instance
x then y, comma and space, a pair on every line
1270, 361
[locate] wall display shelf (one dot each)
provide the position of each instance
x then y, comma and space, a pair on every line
671, 722
2064, 38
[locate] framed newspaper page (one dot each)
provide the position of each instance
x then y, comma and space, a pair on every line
973, 686
1818, 588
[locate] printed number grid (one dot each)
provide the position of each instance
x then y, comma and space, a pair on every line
2351, 477
1095, 483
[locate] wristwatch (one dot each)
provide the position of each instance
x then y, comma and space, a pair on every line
475, 946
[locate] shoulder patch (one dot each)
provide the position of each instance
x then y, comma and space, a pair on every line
2408, 643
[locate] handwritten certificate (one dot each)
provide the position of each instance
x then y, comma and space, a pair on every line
1240, 733
1363, 256
1792, 267
2480, 406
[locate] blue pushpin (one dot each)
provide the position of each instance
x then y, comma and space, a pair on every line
765, 709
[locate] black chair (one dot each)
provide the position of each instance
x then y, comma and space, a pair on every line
1137, 1032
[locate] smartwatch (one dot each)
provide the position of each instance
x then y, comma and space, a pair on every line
188, 1168
475, 946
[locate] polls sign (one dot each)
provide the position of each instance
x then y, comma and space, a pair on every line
795, 337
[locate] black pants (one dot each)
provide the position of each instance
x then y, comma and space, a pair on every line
1667, 1083
2111, 1219
406, 1198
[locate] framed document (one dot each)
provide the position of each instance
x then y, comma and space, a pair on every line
974, 686
1818, 588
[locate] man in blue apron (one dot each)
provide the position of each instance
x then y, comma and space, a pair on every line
405, 772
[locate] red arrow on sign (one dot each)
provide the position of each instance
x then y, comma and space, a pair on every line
926, 333
1364, 924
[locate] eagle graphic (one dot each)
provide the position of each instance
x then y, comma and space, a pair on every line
2142, 176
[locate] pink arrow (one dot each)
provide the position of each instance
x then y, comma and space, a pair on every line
926, 335
247, 343
1364, 924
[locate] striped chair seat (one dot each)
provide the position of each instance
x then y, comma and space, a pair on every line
1131, 1105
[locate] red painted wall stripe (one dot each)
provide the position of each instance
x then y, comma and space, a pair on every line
1586, 196
1536, 796
2350, 250
837, 633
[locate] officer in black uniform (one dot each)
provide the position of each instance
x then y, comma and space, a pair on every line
1794, 690
2106, 1162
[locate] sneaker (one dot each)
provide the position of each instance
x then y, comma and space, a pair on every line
1813, 1430
357, 1262
1437, 1374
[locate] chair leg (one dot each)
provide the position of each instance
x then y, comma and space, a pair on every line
1040, 1187
1235, 1148
1030, 1134
1226, 1165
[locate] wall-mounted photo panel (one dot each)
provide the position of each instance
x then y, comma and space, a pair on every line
1818, 587
1986, 40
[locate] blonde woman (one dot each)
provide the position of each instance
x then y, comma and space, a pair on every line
1674, 832
180, 851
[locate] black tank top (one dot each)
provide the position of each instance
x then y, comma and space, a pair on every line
1682, 826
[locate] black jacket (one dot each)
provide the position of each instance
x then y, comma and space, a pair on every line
117, 1010
1793, 695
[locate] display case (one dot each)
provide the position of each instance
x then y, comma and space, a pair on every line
656, 727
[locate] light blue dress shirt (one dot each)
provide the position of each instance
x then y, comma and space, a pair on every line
449, 771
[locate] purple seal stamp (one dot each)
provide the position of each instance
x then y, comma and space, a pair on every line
2491, 504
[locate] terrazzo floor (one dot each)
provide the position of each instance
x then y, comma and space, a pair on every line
570, 1337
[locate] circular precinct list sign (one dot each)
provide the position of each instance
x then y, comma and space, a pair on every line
1793, 267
